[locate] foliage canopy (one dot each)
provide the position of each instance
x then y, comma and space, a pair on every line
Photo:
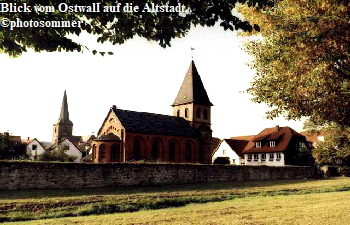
120, 26
303, 59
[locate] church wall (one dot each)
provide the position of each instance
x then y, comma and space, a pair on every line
164, 141
19, 175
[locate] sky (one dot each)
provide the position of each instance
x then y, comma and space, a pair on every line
140, 76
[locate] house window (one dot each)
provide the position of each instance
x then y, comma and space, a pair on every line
224, 152
272, 143
198, 113
258, 144
263, 157
34, 147
278, 156
272, 156
186, 113
178, 113
250, 156
256, 156
234, 161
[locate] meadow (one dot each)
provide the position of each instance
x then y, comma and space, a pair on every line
324, 201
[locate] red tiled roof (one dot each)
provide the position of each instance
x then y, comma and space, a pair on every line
237, 145
246, 138
312, 138
282, 136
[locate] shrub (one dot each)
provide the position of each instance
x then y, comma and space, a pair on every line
222, 160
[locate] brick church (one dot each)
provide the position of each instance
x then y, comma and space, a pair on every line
184, 137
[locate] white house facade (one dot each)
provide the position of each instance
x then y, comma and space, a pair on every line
72, 149
264, 159
232, 149
35, 149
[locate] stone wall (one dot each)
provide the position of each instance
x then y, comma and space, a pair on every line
37, 175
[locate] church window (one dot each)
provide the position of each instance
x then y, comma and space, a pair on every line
155, 150
186, 113
65, 130
205, 114
55, 130
198, 113
178, 113
137, 149
102, 151
94, 151
188, 151
115, 151
172, 151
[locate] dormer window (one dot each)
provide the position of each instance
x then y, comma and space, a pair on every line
272, 143
258, 144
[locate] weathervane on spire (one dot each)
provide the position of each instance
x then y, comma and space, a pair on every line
192, 52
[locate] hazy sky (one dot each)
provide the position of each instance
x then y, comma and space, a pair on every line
140, 76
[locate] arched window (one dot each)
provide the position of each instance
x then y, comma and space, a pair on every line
172, 151
93, 151
137, 149
155, 149
188, 151
178, 113
102, 151
198, 113
186, 113
65, 130
115, 152
205, 114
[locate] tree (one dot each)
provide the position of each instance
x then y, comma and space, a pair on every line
303, 59
10, 150
115, 27
60, 154
335, 149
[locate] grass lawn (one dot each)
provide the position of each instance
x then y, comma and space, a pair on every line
43, 204
321, 208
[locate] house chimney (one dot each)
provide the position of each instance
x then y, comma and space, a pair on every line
114, 107
277, 128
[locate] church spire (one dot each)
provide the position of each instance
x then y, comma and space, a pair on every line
192, 89
64, 115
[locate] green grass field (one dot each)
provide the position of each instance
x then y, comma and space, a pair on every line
250, 202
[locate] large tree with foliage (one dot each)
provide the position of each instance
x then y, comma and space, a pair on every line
117, 27
11, 150
302, 59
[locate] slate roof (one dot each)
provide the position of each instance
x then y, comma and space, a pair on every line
64, 115
237, 146
150, 123
192, 89
282, 136
108, 137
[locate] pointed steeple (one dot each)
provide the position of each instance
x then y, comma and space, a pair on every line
64, 115
192, 89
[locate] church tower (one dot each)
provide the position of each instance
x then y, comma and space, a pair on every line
64, 127
193, 104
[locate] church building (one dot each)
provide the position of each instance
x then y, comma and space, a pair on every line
184, 137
